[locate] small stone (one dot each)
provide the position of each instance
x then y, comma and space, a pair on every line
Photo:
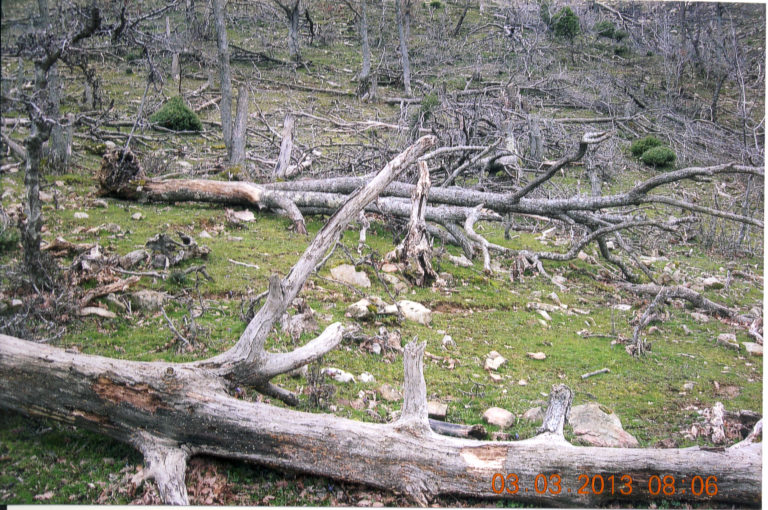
240, 216
346, 273
535, 414
137, 216
338, 375
46, 197
15, 303
415, 312
389, 393
545, 315
610, 245
204, 235
622, 307
376, 348
460, 261
302, 371
688, 386
495, 377
498, 416
537, 355
555, 299
148, 299
712, 283
389, 268
753, 349
81, 216
728, 340
687, 330
582, 256
522, 382
100, 203
494, 360
437, 410
109, 145
448, 342
365, 377
699, 317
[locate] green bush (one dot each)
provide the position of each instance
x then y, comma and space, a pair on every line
429, 104
177, 116
436, 4
638, 147
621, 50
620, 35
604, 29
658, 156
9, 239
566, 23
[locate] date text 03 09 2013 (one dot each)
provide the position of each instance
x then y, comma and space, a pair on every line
658, 486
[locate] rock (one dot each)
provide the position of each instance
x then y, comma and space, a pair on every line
522, 382
46, 197
555, 299
365, 377
338, 375
495, 377
398, 285
582, 256
130, 259
347, 274
545, 315
712, 283
499, 416
753, 349
546, 307
535, 415
728, 340
622, 307
437, 410
376, 348
81, 216
148, 299
136, 216
699, 317
236, 217
598, 428
494, 361
390, 268
460, 261
389, 393
204, 235
100, 203
109, 145
415, 312
448, 342
537, 355
610, 245
15, 303
362, 309
688, 386
302, 371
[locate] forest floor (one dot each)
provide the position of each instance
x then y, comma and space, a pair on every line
658, 397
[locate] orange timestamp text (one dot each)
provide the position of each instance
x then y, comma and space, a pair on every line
615, 484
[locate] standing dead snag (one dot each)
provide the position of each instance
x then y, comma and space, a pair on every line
414, 250
286, 148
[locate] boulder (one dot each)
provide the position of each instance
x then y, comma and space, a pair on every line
361, 309
534, 415
437, 410
596, 427
148, 299
499, 416
728, 340
753, 349
347, 274
389, 393
712, 283
413, 311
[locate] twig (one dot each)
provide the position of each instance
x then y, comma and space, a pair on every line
244, 264
173, 328
596, 372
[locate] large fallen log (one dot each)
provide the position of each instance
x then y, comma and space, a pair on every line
171, 411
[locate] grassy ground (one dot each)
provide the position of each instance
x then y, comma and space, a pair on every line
42, 461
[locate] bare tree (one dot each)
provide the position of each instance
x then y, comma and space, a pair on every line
403, 16
224, 74
293, 15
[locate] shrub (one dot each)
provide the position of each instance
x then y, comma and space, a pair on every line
544, 13
177, 116
621, 50
638, 147
658, 156
9, 239
604, 28
620, 35
436, 4
566, 23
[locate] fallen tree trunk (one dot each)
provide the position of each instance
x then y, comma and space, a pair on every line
171, 411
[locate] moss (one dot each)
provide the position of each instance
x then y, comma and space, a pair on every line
177, 116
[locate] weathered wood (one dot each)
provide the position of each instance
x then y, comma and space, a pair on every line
286, 148
457, 430
185, 404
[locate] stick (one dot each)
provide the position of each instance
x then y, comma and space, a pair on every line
596, 372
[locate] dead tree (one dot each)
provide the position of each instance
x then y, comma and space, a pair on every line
403, 17
173, 411
293, 15
286, 148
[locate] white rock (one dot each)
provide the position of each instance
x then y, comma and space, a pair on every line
415, 312
728, 340
610, 245
555, 298
338, 375
495, 377
136, 216
498, 416
46, 197
494, 360
244, 216
537, 355
389, 393
99, 202
598, 428
544, 315
437, 410
360, 309
81, 216
109, 144
460, 261
149, 299
522, 382
712, 283
699, 317
347, 274
753, 348
204, 235
622, 307
390, 268
448, 342
365, 377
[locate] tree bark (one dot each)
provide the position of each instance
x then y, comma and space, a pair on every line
239, 133
224, 74
402, 14
286, 148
